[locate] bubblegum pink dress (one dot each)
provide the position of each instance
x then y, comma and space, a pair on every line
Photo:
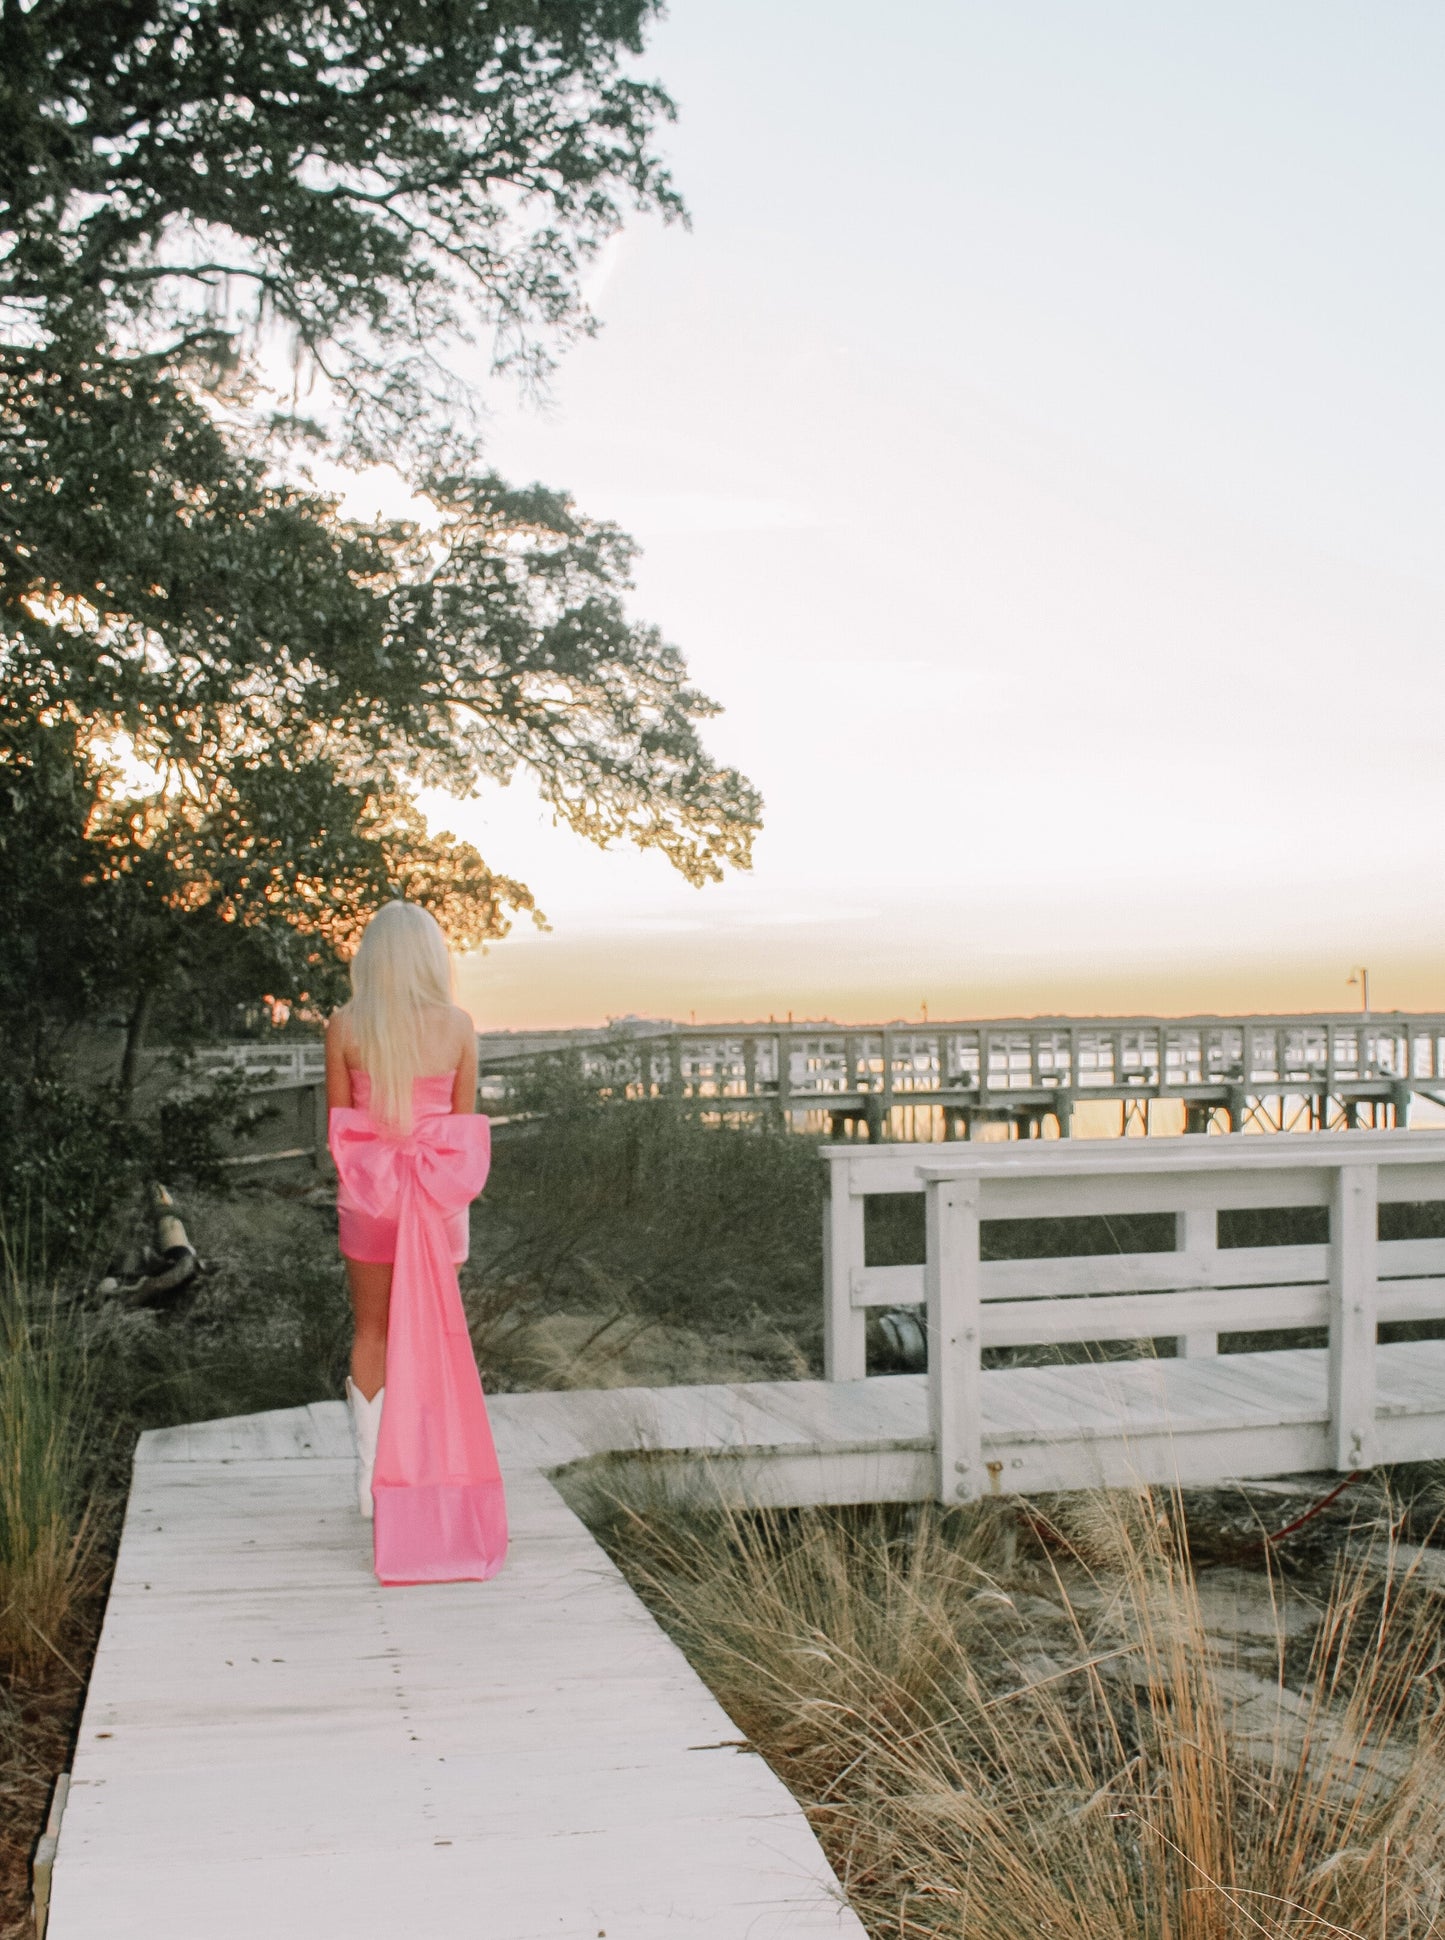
441, 1513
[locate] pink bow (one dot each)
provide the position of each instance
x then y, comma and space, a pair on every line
441, 1513
444, 1159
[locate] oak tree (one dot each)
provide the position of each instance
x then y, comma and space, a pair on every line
225, 692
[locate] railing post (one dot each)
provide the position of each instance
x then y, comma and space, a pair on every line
1353, 1292
785, 1078
845, 1327
955, 1369
320, 1125
1198, 1240
676, 1083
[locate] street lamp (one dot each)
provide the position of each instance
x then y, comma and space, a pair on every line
1361, 977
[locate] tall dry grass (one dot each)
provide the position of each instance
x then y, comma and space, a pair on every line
641, 1205
1067, 1744
46, 1453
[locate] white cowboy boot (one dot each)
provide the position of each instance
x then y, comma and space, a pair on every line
365, 1423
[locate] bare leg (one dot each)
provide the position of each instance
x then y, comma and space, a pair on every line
370, 1303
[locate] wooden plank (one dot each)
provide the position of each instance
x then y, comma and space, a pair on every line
1277, 1385
1036, 1178
1244, 1153
1410, 1377
845, 1338
1400, 1258
1110, 1273
1353, 1297
1071, 1277
1199, 1316
954, 1337
886, 1286
1018, 1400
1422, 1299
1197, 1236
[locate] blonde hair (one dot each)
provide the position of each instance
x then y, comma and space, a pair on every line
401, 973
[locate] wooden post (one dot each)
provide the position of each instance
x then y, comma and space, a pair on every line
785, 1079
320, 1125
955, 1370
1198, 1236
845, 1327
1353, 1225
676, 1081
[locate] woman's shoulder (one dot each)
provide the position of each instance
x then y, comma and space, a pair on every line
340, 1037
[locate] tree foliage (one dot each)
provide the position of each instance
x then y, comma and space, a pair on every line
221, 694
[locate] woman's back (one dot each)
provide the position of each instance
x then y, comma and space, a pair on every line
431, 1096
446, 1051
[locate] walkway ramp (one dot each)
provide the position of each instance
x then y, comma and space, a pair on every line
273, 1744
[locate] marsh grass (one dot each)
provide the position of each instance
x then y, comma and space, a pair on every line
47, 1437
1069, 1743
640, 1211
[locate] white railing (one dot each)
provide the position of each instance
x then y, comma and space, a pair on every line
301, 1061
1350, 1284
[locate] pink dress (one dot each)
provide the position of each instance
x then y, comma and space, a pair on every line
441, 1513
372, 1239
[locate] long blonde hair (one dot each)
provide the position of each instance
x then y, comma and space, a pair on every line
400, 976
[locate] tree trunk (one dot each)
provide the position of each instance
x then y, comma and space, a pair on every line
135, 1031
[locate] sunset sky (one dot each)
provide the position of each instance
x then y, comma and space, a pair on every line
1035, 446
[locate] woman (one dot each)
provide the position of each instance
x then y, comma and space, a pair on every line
401, 1078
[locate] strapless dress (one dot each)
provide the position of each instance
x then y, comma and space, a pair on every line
372, 1240
441, 1510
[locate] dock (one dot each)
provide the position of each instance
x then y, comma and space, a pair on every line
1027, 1077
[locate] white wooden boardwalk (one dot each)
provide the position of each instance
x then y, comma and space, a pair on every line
274, 1745
1109, 1423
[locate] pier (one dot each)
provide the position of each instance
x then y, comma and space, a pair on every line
1023, 1077
1326, 1071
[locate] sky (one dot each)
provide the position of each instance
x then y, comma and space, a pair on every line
1035, 447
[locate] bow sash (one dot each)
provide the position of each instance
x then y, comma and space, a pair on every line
444, 1160
440, 1509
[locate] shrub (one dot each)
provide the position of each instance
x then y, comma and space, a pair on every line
645, 1204
68, 1160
